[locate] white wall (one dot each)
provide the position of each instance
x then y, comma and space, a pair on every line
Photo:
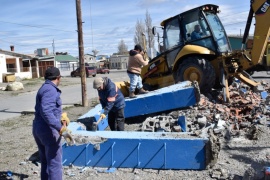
119, 61
3, 66
24, 75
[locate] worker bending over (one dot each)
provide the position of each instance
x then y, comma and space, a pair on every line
112, 101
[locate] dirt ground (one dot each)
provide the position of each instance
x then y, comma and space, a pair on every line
239, 157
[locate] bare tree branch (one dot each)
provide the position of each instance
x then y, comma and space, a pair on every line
122, 48
140, 29
148, 28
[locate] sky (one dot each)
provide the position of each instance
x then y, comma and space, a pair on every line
32, 24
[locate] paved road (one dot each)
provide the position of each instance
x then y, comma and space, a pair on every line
14, 106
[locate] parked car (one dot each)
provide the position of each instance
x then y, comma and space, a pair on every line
103, 71
89, 70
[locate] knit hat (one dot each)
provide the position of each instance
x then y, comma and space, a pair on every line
138, 47
98, 82
51, 73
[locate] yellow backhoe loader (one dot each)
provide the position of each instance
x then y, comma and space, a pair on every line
195, 47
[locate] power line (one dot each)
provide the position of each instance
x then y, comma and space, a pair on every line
42, 27
13, 43
35, 26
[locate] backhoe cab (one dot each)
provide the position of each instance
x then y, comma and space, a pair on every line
195, 47
192, 44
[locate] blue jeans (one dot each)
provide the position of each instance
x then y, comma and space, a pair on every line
135, 81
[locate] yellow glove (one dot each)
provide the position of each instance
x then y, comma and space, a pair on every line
102, 116
63, 129
64, 119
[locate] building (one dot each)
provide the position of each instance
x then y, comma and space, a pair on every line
119, 61
103, 61
44, 60
63, 61
90, 59
66, 62
236, 42
14, 64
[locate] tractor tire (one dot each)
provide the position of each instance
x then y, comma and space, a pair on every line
197, 69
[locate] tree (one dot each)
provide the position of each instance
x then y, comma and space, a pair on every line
139, 30
146, 29
148, 24
122, 48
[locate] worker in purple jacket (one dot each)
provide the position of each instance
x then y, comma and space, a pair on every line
112, 101
47, 127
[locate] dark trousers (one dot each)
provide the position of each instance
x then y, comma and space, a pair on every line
50, 153
116, 120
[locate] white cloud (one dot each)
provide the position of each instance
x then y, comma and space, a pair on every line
33, 24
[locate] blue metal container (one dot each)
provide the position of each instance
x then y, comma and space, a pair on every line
124, 149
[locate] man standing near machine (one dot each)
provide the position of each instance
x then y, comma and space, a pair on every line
47, 127
134, 68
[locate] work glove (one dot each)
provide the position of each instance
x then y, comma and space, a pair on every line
67, 135
63, 129
102, 116
64, 119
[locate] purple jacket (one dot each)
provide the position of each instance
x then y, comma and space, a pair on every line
48, 108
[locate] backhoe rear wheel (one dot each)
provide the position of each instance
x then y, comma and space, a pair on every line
197, 69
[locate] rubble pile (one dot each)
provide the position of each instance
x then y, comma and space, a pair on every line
231, 128
246, 109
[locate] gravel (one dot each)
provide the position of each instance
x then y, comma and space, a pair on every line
239, 157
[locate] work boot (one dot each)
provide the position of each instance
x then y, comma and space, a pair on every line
132, 94
142, 91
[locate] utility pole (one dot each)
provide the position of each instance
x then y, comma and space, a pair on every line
53, 47
81, 53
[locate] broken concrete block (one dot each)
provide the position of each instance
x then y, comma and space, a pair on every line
267, 100
202, 121
242, 92
261, 120
15, 86
216, 174
258, 88
235, 84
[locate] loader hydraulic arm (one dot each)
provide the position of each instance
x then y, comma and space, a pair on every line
239, 61
145, 56
261, 10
